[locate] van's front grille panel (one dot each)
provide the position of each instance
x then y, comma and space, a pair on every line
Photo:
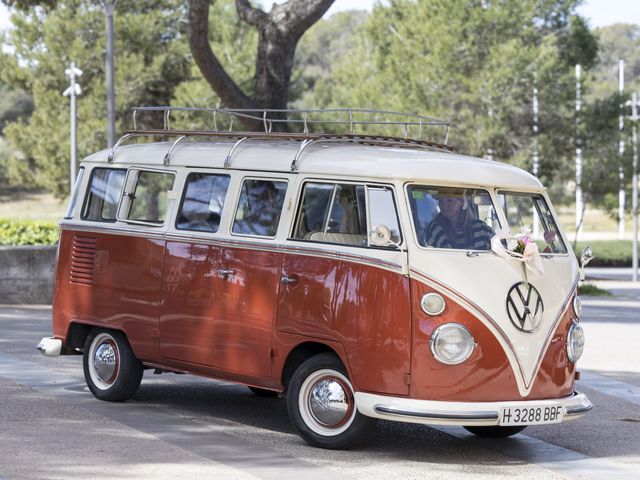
83, 258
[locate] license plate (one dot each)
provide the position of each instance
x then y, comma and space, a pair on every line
531, 415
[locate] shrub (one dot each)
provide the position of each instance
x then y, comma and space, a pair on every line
28, 232
608, 253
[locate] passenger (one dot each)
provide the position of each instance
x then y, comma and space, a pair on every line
262, 210
456, 227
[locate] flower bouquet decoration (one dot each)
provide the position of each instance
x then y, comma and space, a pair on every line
521, 248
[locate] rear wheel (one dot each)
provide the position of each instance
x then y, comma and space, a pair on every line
111, 370
495, 431
321, 405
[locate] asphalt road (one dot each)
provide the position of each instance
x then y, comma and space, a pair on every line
183, 426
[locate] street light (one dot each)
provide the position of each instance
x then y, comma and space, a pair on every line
72, 91
109, 6
633, 103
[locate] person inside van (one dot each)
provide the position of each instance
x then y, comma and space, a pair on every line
261, 205
456, 225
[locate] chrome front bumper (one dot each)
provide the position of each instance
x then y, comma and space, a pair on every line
458, 413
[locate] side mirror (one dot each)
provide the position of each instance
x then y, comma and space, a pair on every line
586, 257
380, 236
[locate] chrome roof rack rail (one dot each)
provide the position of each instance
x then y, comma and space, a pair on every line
227, 161
167, 157
298, 125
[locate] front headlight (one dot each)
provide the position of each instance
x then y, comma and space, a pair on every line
451, 343
575, 342
577, 306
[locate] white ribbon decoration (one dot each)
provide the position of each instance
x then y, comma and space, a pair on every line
530, 257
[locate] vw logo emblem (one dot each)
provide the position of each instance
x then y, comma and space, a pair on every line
525, 307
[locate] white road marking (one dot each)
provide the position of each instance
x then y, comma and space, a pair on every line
609, 386
547, 455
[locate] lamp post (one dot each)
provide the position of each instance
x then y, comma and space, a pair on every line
579, 197
621, 192
109, 6
634, 199
72, 91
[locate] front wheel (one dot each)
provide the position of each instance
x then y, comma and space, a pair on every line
495, 431
111, 370
321, 405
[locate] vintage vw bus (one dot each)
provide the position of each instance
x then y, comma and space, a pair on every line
360, 276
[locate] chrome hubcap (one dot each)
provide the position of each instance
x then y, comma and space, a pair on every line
326, 402
329, 402
104, 362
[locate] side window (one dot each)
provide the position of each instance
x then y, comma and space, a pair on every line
259, 207
202, 204
383, 211
149, 198
337, 213
103, 195
314, 209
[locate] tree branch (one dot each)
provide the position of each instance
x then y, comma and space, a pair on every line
228, 91
296, 16
247, 13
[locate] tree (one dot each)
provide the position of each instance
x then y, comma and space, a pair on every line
474, 61
279, 31
151, 56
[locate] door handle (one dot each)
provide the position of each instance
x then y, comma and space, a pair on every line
288, 280
225, 272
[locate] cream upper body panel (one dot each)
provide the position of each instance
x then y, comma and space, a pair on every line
344, 159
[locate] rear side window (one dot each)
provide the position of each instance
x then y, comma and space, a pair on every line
103, 194
202, 204
259, 207
149, 198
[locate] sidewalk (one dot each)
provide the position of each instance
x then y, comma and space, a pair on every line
615, 280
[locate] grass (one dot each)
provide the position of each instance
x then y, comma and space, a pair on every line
594, 220
590, 290
23, 204
608, 253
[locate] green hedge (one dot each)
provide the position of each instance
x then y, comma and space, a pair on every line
608, 253
28, 232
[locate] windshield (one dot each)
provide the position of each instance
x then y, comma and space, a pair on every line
450, 217
529, 213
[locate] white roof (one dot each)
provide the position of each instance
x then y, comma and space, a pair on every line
329, 159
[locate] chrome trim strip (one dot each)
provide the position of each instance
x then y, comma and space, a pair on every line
112, 231
438, 416
247, 245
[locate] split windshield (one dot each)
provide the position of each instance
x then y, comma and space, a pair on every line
466, 219
458, 218
528, 214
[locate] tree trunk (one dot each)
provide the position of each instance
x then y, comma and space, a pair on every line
279, 32
274, 63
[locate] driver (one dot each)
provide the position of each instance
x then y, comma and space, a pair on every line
456, 227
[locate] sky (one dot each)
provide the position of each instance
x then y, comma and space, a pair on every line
599, 12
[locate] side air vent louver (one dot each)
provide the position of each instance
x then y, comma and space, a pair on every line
83, 259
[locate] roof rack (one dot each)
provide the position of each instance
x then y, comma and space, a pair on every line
302, 125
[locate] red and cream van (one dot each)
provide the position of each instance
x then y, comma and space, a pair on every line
361, 277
